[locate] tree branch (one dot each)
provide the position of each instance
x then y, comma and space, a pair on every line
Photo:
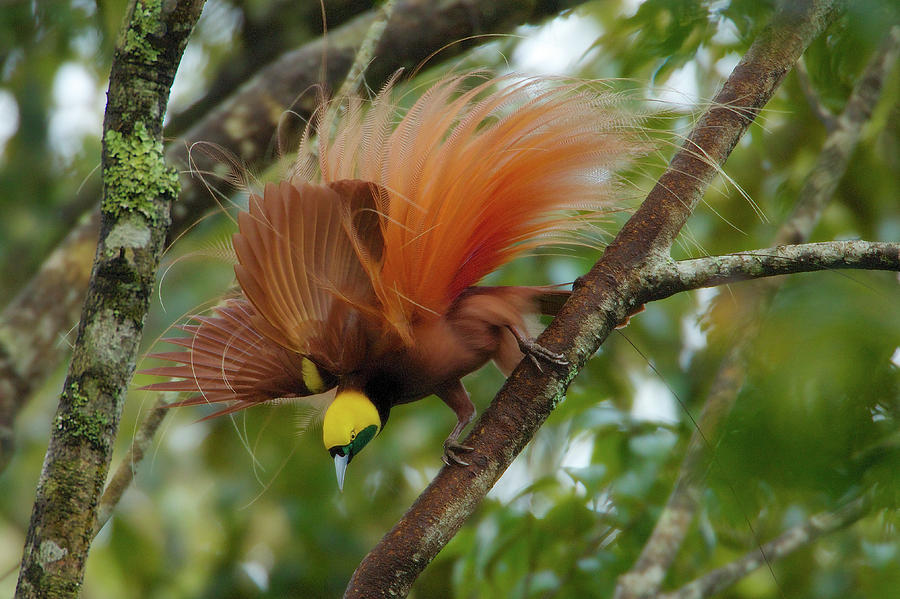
828, 120
266, 30
138, 189
602, 299
250, 122
127, 468
792, 539
244, 126
711, 271
662, 546
33, 326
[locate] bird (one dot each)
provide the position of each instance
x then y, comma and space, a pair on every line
358, 273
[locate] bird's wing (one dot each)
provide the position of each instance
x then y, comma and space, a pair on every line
226, 359
472, 177
306, 254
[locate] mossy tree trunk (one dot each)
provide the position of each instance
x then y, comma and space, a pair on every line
138, 189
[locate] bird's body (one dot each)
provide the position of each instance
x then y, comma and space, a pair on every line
359, 270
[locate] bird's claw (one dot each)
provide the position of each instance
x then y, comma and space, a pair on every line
534, 350
451, 447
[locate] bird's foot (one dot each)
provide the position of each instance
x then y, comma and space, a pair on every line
534, 350
451, 449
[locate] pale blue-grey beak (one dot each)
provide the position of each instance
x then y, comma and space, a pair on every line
340, 467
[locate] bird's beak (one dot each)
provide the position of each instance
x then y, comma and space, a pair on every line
340, 467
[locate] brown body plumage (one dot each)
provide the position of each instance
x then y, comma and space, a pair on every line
359, 270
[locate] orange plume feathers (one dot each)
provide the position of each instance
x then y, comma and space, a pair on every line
470, 179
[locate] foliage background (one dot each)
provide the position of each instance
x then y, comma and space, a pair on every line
247, 507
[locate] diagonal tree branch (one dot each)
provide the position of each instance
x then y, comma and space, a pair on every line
244, 126
124, 474
265, 31
34, 324
829, 121
786, 543
138, 189
602, 298
662, 546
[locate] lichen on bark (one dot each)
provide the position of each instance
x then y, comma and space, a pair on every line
80, 422
145, 25
136, 172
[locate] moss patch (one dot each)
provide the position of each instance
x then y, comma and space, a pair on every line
81, 422
145, 24
136, 174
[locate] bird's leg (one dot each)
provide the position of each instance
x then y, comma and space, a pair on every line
534, 350
455, 396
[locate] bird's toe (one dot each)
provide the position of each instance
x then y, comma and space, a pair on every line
451, 450
535, 350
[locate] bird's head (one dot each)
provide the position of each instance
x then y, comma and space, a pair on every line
351, 421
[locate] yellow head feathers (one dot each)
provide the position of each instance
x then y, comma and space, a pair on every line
351, 421
349, 415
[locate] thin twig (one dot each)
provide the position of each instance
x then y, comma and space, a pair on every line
781, 260
366, 50
789, 541
812, 98
121, 480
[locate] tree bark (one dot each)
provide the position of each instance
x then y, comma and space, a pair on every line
712, 271
138, 189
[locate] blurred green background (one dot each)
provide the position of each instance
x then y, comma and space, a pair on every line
248, 507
